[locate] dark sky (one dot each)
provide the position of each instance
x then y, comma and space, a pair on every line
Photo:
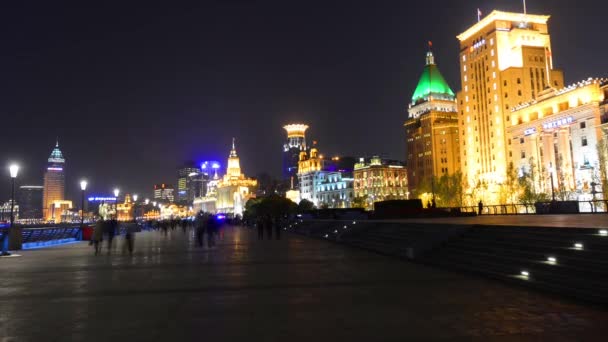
134, 89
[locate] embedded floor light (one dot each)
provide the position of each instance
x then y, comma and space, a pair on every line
336, 231
552, 260
525, 274
354, 222
326, 236
604, 232
345, 227
578, 245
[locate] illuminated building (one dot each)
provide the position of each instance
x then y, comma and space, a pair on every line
557, 135
323, 182
60, 211
234, 189
189, 177
5, 211
377, 180
30, 201
207, 202
296, 143
54, 185
95, 204
431, 130
505, 60
125, 209
163, 193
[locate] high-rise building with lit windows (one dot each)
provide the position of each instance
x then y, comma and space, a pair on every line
54, 185
431, 131
505, 60
296, 143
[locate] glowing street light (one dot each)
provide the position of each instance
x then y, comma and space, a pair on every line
13, 170
147, 201
83, 188
116, 193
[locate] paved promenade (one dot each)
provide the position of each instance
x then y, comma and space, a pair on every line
294, 289
595, 221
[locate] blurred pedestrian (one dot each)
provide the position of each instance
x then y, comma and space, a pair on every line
268, 226
97, 237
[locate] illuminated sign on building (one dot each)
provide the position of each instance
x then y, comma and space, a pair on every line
558, 123
102, 199
55, 168
530, 131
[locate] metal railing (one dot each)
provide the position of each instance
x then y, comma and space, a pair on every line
591, 206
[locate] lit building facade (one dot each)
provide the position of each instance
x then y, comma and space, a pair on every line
125, 210
505, 60
234, 189
189, 182
30, 201
556, 137
5, 211
377, 180
296, 143
431, 130
163, 193
333, 189
54, 186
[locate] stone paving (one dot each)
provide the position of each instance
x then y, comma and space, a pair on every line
294, 289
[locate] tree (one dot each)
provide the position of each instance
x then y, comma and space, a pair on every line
305, 205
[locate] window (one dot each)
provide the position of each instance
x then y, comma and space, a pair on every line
518, 80
519, 92
523, 155
506, 95
584, 141
521, 140
583, 124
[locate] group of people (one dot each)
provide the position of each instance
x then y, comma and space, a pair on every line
107, 230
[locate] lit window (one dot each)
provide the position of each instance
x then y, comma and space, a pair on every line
493, 74
464, 58
464, 68
466, 88
583, 141
492, 53
466, 98
583, 124
491, 41
466, 78
493, 64
495, 86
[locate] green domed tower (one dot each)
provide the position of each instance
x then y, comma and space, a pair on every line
432, 135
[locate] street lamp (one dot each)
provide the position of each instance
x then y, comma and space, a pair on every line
135, 196
147, 201
116, 193
83, 187
14, 170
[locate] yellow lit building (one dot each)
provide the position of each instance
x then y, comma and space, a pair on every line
125, 209
556, 137
59, 211
379, 180
234, 189
431, 130
54, 187
505, 60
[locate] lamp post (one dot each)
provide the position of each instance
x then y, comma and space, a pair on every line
135, 196
83, 187
116, 193
14, 170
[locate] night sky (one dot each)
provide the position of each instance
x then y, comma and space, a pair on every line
133, 90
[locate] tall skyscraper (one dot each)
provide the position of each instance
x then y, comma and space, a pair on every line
296, 143
30, 201
187, 179
431, 131
505, 60
54, 185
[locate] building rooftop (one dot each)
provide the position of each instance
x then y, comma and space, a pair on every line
431, 83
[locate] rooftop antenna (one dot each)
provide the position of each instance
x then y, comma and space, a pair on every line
525, 9
478, 15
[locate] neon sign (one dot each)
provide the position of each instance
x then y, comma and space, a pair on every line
55, 168
530, 131
102, 199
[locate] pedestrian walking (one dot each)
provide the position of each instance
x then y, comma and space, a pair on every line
268, 226
260, 226
130, 238
277, 228
480, 207
97, 237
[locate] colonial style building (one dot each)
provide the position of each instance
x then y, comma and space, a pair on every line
377, 180
555, 137
234, 189
505, 60
431, 130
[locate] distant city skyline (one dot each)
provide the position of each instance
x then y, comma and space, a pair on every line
132, 94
